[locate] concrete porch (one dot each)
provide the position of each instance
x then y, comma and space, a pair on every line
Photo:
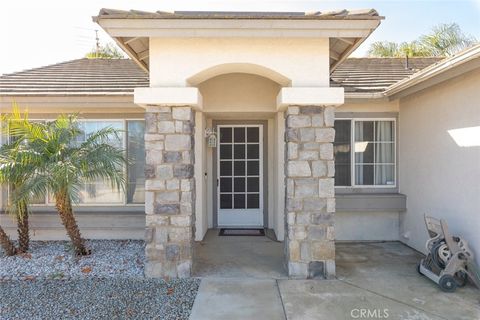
242, 278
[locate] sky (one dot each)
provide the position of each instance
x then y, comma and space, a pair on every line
38, 33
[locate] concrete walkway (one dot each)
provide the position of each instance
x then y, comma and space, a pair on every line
374, 281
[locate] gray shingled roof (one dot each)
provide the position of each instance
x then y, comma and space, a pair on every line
121, 76
77, 76
376, 74
318, 15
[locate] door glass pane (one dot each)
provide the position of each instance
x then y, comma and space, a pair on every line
253, 184
225, 184
253, 134
239, 184
225, 151
225, 201
225, 168
253, 151
239, 201
239, 134
253, 168
239, 151
239, 168
226, 135
253, 201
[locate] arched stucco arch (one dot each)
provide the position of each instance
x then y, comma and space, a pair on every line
249, 68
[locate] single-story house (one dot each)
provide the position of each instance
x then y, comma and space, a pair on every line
261, 120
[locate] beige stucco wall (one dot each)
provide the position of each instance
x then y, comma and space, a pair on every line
440, 178
174, 61
239, 92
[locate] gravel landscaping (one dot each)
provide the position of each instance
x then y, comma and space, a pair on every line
50, 282
94, 298
55, 260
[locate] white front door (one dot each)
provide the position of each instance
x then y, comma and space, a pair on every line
239, 172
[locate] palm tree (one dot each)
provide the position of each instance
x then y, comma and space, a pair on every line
446, 39
383, 49
16, 173
64, 165
7, 244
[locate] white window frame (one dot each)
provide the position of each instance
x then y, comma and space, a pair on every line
352, 155
124, 203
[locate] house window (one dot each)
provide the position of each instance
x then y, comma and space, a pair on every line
131, 139
365, 153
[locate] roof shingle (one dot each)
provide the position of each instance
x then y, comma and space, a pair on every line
376, 74
77, 76
121, 76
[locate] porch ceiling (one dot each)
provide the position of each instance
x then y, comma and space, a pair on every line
346, 29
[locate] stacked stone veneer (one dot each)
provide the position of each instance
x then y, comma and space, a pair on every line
310, 193
170, 194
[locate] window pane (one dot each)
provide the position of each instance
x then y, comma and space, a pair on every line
342, 152
384, 152
136, 167
226, 135
384, 175
239, 151
384, 131
239, 134
364, 175
239, 184
225, 184
239, 168
253, 168
225, 151
225, 168
225, 201
253, 134
100, 192
253, 201
364, 131
363, 152
253, 184
253, 151
239, 201
342, 175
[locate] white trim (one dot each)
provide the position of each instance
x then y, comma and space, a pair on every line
352, 154
310, 96
249, 217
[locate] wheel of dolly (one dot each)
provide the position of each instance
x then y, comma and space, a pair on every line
447, 283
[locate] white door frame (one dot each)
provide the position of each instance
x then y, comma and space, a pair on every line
241, 217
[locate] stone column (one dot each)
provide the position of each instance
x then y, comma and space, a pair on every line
170, 193
310, 193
